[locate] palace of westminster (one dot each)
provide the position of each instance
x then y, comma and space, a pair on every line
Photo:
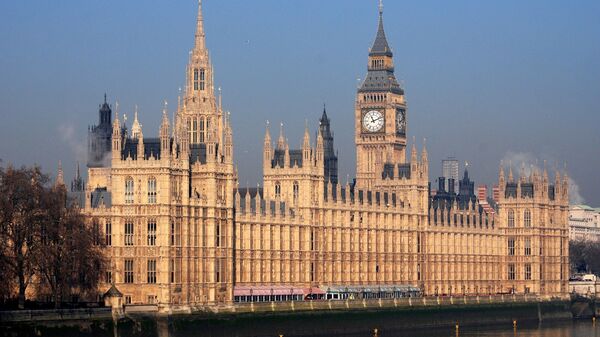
179, 231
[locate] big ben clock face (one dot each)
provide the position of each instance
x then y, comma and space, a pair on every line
373, 121
401, 121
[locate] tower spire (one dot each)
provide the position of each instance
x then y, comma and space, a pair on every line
381, 46
200, 36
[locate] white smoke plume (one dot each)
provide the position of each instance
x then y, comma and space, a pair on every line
520, 159
77, 146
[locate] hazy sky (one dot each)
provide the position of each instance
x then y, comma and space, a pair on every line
485, 80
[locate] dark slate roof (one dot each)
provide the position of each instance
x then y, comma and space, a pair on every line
101, 196
151, 147
295, 158
381, 80
381, 46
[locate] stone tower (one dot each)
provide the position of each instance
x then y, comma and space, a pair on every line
380, 115
99, 138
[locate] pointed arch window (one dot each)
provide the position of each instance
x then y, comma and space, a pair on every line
277, 189
511, 218
196, 79
129, 190
152, 190
202, 79
527, 218
296, 191
201, 131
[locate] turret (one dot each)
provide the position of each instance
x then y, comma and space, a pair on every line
306, 145
281, 141
267, 148
116, 136
60, 177
425, 160
228, 143
164, 133
320, 149
136, 127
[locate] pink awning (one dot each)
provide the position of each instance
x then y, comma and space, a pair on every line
267, 291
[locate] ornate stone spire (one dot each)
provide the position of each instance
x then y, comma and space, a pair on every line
60, 177
200, 36
281, 141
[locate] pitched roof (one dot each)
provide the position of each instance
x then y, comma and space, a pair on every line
381, 46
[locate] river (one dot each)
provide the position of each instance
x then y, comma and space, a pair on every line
304, 327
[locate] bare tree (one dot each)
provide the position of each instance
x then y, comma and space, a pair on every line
72, 260
21, 191
42, 237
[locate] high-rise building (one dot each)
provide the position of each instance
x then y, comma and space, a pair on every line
450, 172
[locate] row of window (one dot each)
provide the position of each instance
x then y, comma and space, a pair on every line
175, 234
130, 190
198, 129
511, 247
296, 190
199, 79
128, 272
512, 272
526, 218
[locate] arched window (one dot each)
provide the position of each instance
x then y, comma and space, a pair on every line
152, 190
202, 79
201, 132
277, 189
527, 218
511, 218
196, 79
129, 190
296, 191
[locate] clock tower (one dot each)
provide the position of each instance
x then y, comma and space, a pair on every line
380, 115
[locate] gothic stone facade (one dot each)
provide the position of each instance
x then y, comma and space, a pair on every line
180, 232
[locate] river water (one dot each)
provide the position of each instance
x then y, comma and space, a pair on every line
302, 328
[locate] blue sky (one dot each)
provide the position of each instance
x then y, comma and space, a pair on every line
485, 80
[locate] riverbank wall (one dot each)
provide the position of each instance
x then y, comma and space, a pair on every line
306, 318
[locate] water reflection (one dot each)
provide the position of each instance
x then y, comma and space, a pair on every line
305, 327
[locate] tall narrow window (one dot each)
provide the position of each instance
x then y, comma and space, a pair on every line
108, 276
511, 218
129, 190
296, 191
152, 190
511, 271
218, 234
528, 271
202, 79
201, 131
218, 270
527, 247
511, 246
152, 271
190, 132
277, 189
129, 233
194, 131
128, 271
152, 232
108, 233
175, 233
196, 79
527, 218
